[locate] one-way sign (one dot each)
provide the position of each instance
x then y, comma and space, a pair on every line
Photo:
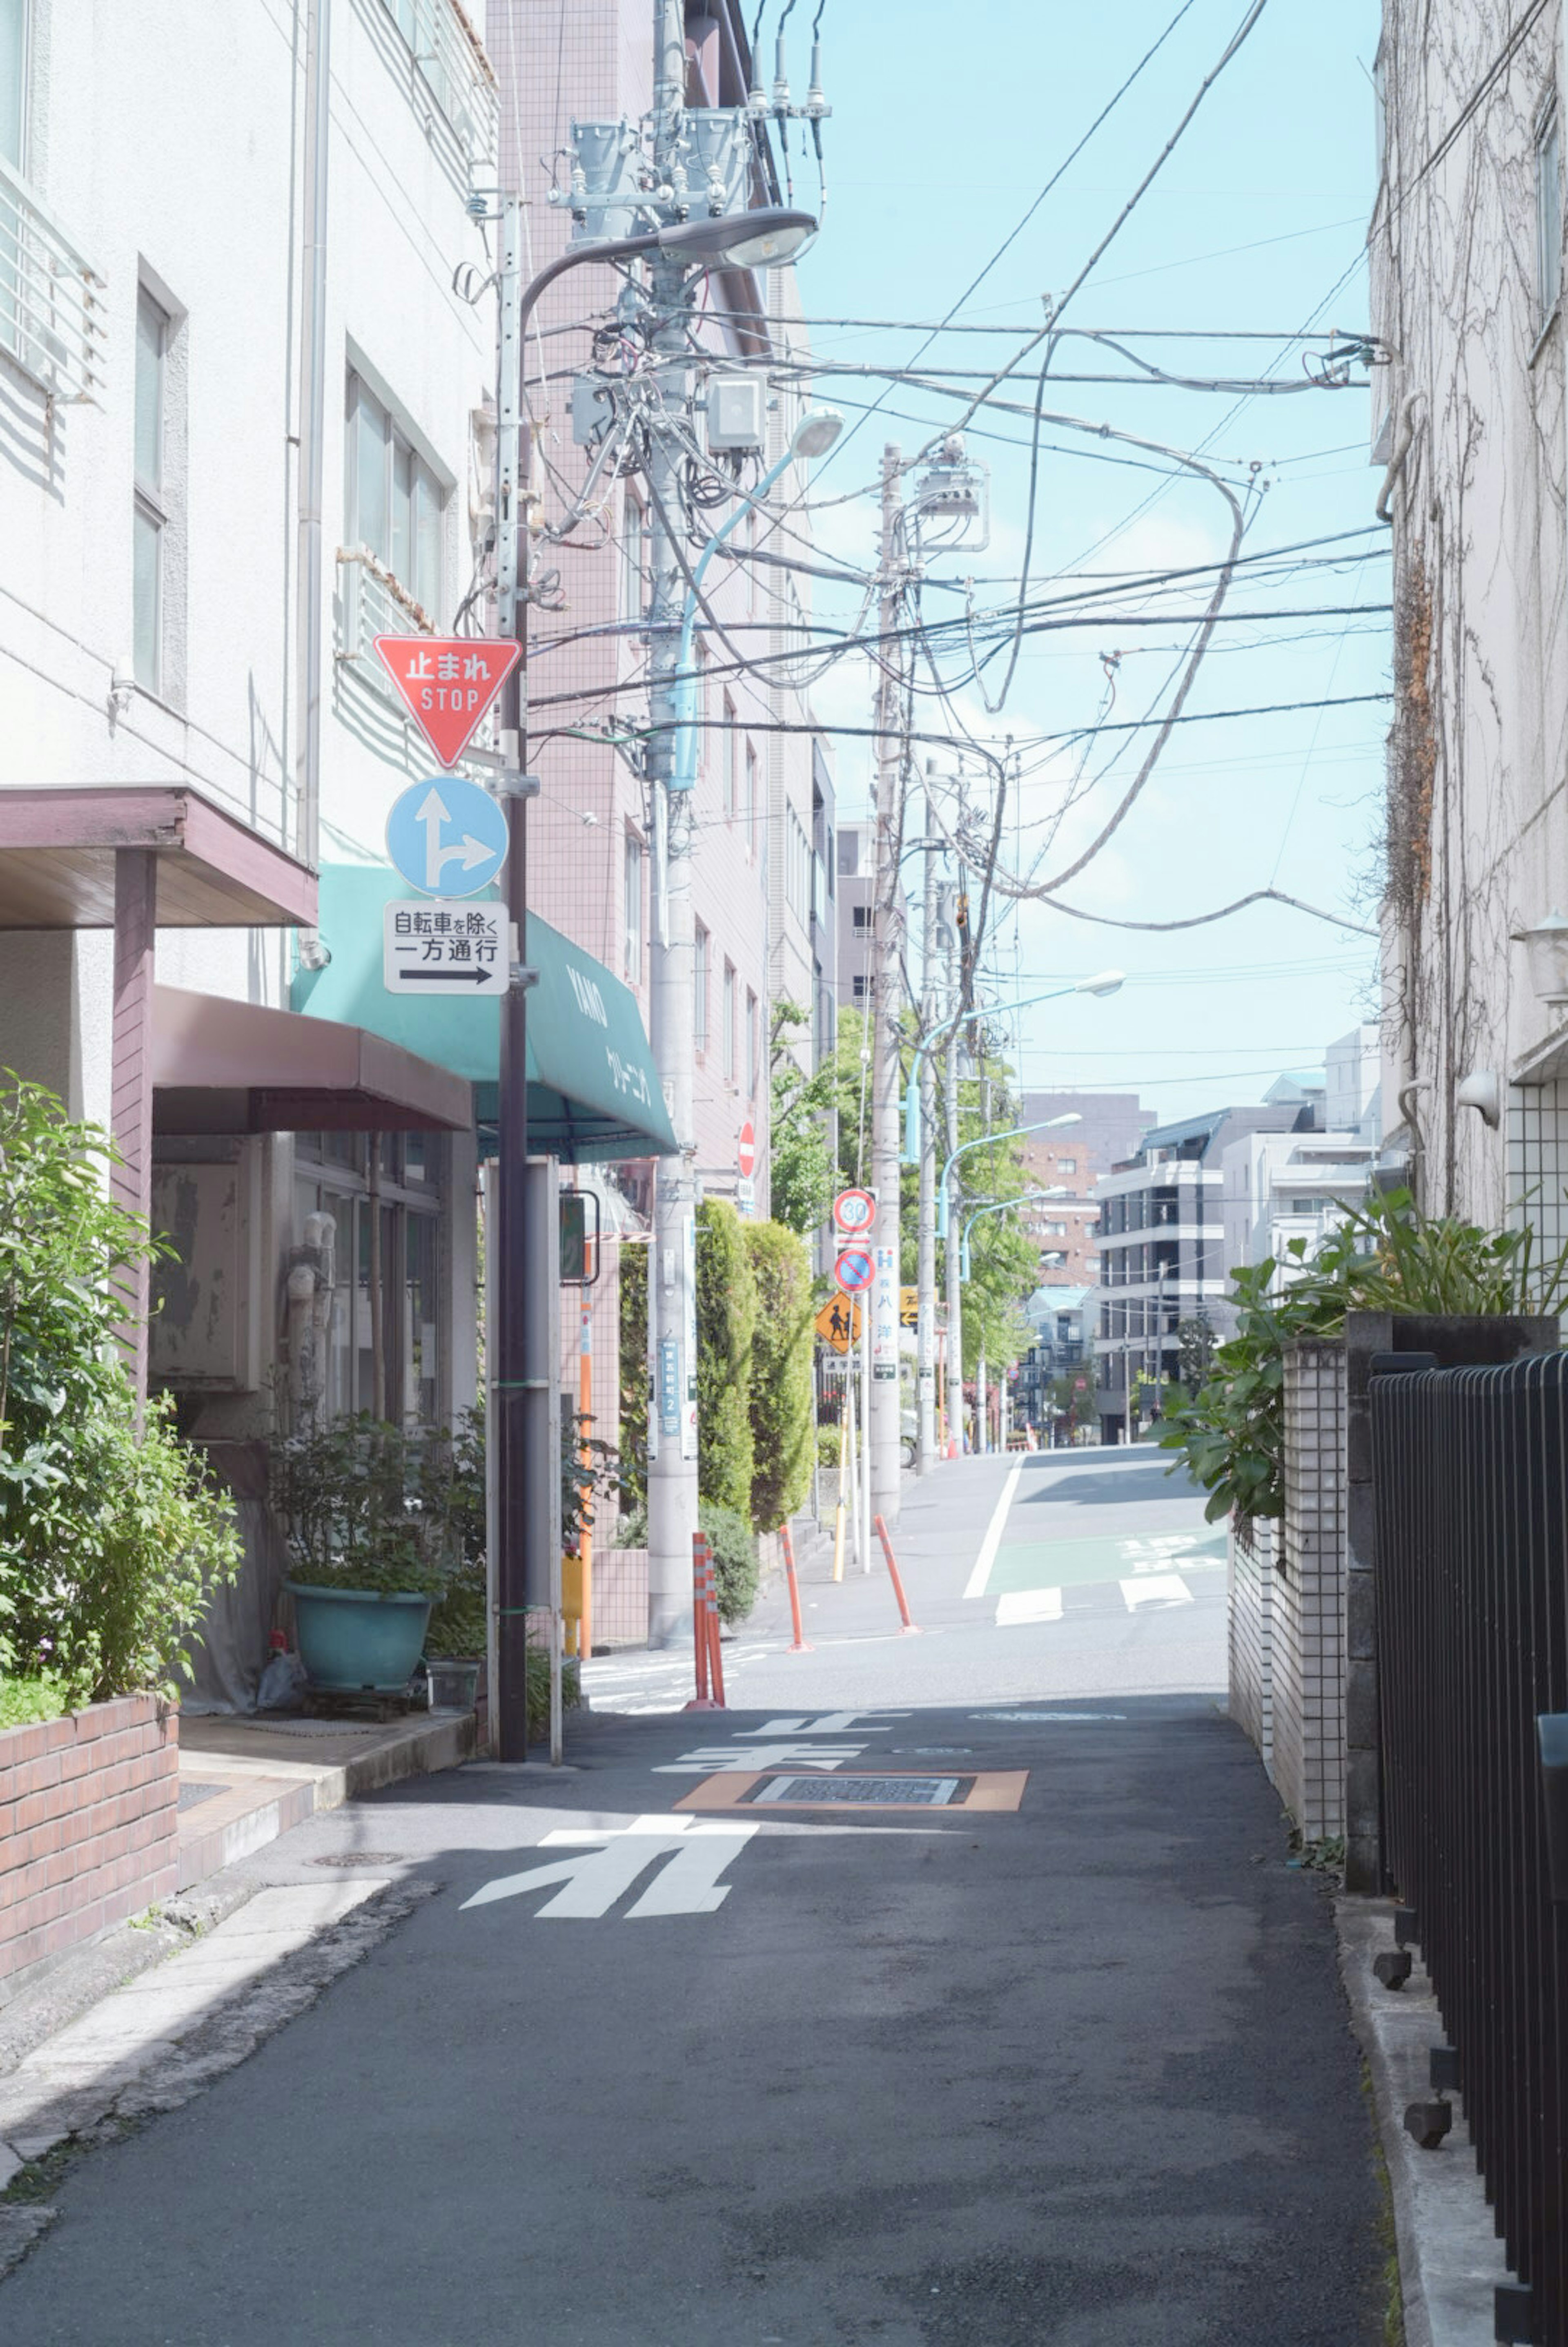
456, 949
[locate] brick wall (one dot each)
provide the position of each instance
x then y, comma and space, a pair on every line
1308, 1629
87, 1825
1250, 1558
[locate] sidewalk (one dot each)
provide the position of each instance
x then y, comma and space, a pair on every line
243, 1782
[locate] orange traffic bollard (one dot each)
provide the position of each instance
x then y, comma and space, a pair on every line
799, 1647
909, 1629
710, 1591
703, 1643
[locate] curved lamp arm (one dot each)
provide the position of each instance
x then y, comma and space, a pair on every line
983, 1141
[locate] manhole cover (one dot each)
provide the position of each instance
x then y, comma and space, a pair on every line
190, 1794
359, 1858
924, 1792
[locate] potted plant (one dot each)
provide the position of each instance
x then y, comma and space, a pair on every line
370, 1557
452, 1495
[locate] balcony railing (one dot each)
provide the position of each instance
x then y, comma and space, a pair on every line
451, 60
372, 604
53, 321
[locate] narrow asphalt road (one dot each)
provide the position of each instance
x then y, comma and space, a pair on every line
954, 1992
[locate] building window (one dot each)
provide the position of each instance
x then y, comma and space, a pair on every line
859, 917
150, 512
750, 1046
729, 1037
1549, 213
752, 798
857, 990
798, 863
396, 506
12, 79
699, 988
730, 787
1067, 1165
632, 583
633, 964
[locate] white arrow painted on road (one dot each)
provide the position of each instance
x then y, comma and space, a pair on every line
708, 1756
698, 1850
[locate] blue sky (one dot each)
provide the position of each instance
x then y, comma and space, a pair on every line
946, 124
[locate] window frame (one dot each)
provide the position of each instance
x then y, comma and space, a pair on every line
728, 1034
702, 955
751, 780
396, 438
751, 1052
731, 773
149, 496
24, 82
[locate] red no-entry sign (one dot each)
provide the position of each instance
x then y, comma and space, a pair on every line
746, 1151
447, 683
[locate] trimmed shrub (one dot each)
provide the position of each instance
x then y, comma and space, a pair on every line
633, 1381
781, 1396
734, 1546
725, 1323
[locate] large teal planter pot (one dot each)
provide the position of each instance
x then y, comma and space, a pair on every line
359, 1641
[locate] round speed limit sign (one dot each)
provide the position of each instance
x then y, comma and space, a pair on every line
854, 1211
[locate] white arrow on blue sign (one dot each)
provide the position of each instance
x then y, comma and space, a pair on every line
447, 836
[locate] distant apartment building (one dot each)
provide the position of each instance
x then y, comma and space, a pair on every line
856, 887
1162, 1248
1108, 1132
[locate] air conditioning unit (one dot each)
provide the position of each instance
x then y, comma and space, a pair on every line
736, 414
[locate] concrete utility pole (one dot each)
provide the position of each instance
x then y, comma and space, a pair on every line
954, 1250
885, 992
926, 1271
672, 1268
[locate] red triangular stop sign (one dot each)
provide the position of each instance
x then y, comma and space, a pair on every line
447, 683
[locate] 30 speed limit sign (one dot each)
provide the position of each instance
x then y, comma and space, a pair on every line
854, 1211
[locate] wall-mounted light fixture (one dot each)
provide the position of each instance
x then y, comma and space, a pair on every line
1482, 1091
1546, 947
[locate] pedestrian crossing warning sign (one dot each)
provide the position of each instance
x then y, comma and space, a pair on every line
839, 1322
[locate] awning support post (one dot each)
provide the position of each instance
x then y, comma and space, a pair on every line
130, 1071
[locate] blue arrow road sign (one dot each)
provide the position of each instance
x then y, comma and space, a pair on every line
447, 836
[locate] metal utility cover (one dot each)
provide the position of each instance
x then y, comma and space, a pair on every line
736, 420
924, 1792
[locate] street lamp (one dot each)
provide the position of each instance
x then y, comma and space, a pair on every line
812, 437
523, 1368
984, 1141
999, 1206
1104, 982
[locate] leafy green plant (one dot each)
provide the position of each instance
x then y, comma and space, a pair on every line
800, 1172
634, 1380
351, 1496
1386, 1256
735, 1571
537, 1689
726, 1322
781, 1393
830, 1445
25, 1702
112, 1536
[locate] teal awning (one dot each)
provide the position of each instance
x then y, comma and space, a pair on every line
592, 1090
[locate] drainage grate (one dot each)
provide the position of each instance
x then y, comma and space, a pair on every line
924, 1792
190, 1794
374, 1858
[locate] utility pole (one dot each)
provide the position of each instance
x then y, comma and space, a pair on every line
672, 1268
925, 1268
886, 992
954, 1212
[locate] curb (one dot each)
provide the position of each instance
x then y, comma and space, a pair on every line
1451, 2261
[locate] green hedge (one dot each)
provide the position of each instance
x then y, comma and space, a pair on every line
781, 1396
726, 1324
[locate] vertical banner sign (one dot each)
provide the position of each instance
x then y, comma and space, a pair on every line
689, 1417
650, 1351
885, 1316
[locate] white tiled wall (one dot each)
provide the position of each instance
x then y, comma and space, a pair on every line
1538, 1162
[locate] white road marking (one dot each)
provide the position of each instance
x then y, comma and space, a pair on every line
698, 1850
831, 1723
738, 1754
975, 1585
1156, 1589
1016, 1606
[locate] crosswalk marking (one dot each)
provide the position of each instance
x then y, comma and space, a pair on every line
1018, 1605
1157, 1589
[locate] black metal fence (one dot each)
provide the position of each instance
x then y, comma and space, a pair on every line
1470, 1470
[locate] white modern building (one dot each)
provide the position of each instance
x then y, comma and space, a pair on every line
247, 357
